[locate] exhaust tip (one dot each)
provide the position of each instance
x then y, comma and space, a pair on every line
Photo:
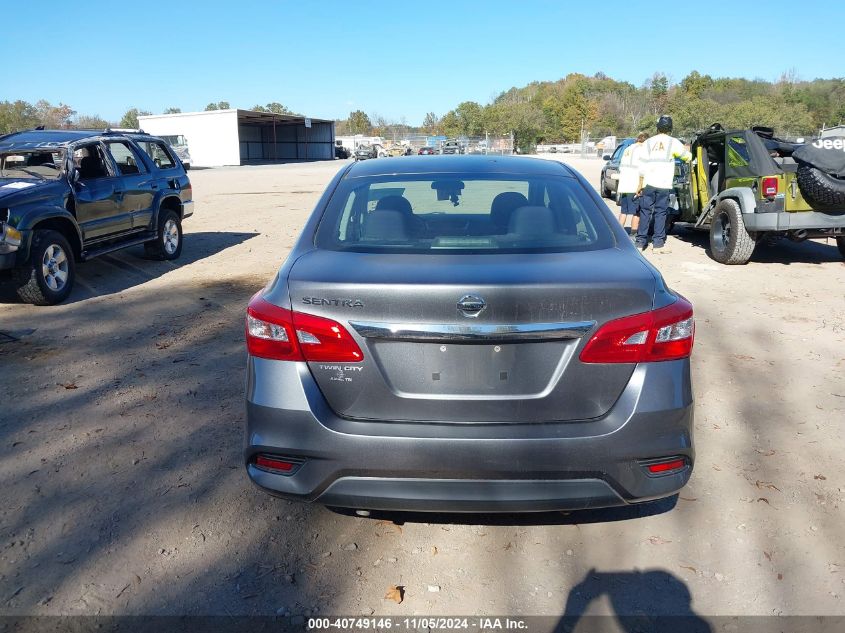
362, 513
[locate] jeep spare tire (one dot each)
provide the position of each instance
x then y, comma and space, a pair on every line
821, 172
821, 190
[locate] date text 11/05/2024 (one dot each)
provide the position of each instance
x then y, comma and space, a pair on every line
415, 624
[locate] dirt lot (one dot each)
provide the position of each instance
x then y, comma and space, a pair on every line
121, 429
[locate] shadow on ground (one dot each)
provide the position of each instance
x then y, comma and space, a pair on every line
121, 270
655, 601
784, 251
579, 517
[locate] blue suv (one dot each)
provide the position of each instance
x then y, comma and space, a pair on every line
67, 196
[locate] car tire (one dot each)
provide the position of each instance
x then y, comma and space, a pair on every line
605, 192
821, 190
168, 241
730, 241
49, 274
840, 244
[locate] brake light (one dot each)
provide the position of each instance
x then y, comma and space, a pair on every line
280, 334
663, 334
770, 187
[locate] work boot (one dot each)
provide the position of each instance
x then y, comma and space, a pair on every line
662, 249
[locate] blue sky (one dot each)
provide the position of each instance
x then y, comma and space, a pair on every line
397, 59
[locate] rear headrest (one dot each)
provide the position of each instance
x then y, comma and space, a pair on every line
395, 203
532, 221
503, 206
386, 225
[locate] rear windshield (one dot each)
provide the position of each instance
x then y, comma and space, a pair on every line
462, 213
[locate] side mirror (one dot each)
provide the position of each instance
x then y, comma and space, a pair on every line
606, 157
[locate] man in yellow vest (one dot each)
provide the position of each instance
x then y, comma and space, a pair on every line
630, 176
658, 170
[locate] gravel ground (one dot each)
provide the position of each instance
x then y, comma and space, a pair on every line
122, 418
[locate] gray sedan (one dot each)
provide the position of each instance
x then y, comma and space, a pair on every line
469, 334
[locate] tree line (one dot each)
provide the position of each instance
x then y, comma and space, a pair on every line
22, 115
564, 110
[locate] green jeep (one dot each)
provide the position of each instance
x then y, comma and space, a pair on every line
745, 186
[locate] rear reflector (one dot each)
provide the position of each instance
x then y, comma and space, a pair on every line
657, 468
276, 464
663, 334
281, 334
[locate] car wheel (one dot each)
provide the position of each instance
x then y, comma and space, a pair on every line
48, 277
840, 244
605, 192
168, 242
730, 241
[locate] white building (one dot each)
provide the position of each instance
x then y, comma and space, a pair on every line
242, 137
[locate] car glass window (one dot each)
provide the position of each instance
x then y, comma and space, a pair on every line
462, 213
125, 158
46, 164
617, 154
90, 162
738, 155
158, 154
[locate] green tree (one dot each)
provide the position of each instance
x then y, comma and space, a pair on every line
91, 122
469, 118
54, 117
359, 123
173, 111
431, 123
220, 105
277, 108
130, 118
17, 115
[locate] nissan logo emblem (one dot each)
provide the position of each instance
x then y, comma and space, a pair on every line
471, 305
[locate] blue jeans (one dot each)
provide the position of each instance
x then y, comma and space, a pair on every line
654, 203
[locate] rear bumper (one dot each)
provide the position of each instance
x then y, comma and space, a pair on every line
472, 467
187, 209
793, 220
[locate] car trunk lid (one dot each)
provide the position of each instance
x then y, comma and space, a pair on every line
514, 360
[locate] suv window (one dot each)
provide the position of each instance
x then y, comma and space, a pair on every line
738, 155
462, 213
125, 158
158, 154
90, 162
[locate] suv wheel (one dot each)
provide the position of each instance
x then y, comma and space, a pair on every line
48, 277
730, 241
168, 242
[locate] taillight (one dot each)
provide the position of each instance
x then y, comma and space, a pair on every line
663, 334
280, 334
770, 187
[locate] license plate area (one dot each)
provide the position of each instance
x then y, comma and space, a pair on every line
472, 370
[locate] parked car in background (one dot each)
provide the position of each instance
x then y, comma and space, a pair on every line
452, 147
180, 146
340, 151
363, 152
609, 180
467, 334
746, 186
67, 196
427, 151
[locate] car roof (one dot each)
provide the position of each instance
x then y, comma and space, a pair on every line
63, 138
459, 164
48, 137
